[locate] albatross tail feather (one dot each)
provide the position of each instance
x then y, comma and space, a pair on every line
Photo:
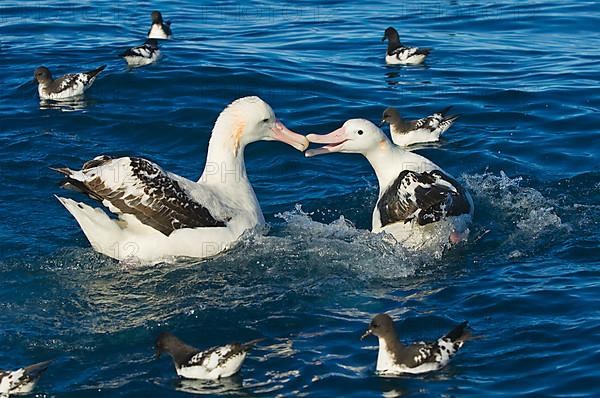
99, 229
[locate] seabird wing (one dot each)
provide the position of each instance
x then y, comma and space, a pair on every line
425, 197
22, 379
214, 357
167, 28
144, 51
72, 82
136, 186
420, 353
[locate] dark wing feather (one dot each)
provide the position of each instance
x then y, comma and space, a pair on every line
418, 353
148, 193
167, 28
427, 197
66, 82
145, 50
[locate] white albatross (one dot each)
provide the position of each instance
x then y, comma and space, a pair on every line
418, 202
160, 214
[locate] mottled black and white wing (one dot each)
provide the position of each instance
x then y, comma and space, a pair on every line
420, 353
138, 187
423, 197
22, 380
404, 53
215, 357
73, 83
144, 51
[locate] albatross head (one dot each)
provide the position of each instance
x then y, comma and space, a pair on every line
355, 136
251, 119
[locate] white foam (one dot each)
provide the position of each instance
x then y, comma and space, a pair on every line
526, 208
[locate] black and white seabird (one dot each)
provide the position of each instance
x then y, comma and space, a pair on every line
397, 54
67, 86
395, 358
159, 29
211, 364
418, 202
410, 132
161, 215
142, 55
21, 381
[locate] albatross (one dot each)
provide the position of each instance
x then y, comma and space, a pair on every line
418, 202
159, 214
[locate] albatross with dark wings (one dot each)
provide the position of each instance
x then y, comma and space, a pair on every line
418, 202
161, 214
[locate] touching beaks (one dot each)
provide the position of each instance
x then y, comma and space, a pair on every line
366, 334
285, 135
334, 140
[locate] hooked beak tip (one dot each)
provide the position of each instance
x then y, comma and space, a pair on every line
295, 140
366, 334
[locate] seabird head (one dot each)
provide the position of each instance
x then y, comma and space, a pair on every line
42, 75
355, 136
391, 116
381, 326
156, 17
250, 119
391, 35
167, 342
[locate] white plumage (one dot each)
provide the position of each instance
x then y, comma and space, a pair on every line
395, 358
214, 363
159, 29
21, 381
67, 86
410, 132
211, 364
142, 55
398, 54
418, 202
161, 214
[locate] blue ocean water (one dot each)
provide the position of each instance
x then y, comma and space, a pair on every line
524, 75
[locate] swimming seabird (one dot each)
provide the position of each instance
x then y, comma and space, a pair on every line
211, 364
161, 214
70, 85
418, 202
159, 29
410, 132
21, 381
142, 55
395, 358
397, 54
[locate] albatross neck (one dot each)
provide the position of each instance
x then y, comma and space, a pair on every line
225, 163
383, 159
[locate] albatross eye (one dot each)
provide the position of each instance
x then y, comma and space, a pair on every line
266, 120
360, 132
